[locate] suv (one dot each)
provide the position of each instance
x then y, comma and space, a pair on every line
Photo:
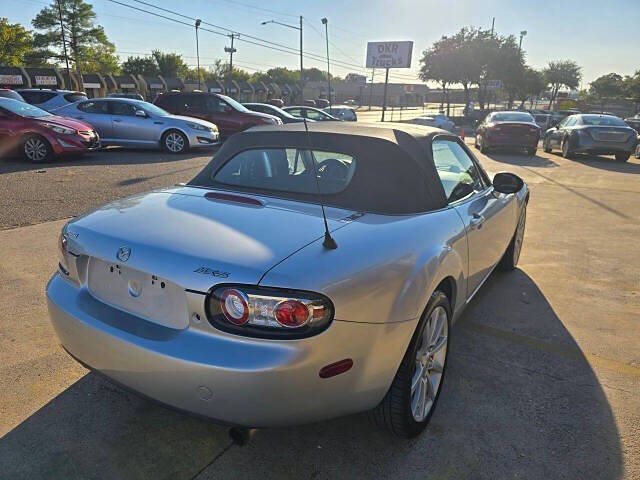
50, 99
230, 116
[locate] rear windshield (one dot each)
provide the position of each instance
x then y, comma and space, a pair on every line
288, 170
512, 117
603, 120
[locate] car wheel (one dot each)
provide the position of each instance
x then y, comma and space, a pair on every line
483, 148
411, 400
566, 148
37, 149
638, 151
622, 157
546, 146
174, 141
512, 255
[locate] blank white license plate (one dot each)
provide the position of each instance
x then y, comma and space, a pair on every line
139, 293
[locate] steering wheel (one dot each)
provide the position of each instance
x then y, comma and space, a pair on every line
332, 169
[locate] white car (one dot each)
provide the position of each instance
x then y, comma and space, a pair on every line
438, 121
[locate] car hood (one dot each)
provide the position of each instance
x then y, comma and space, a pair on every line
65, 122
253, 114
181, 235
197, 121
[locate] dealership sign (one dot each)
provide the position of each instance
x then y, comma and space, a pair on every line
46, 80
11, 80
389, 54
91, 85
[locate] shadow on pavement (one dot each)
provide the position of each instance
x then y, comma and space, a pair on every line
520, 401
608, 163
107, 156
511, 157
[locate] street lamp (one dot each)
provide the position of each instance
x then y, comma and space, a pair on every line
325, 22
301, 69
198, 22
522, 34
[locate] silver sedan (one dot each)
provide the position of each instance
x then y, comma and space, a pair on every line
135, 123
299, 276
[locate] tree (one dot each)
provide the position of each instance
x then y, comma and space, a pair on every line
532, 85
15, 43
563, 73
632, 86
83, 37
438, 65
508, 66
146, 66
607, 86
102, 60
170, 64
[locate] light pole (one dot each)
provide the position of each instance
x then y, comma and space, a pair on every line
198, 22
325, 22
522, 34
301, 69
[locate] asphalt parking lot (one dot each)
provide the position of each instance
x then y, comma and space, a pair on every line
544, 369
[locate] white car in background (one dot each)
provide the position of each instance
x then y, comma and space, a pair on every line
439, 120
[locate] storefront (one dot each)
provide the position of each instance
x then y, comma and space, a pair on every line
273, 91
153, 87
69, 83
231, 88
286, 94
125, 84
173, 83
93, 85
259, 92
44, 78
13, 77
246, 92
214, 86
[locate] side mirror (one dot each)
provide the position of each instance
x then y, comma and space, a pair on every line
505, 182
141, 113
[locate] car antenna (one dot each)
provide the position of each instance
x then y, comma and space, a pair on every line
328, 243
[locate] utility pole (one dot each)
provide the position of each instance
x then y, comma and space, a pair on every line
384, 101
373, 71
231, 51
198, 22
493, 24
325, 22
64, 42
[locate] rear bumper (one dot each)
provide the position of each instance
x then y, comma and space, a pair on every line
234, 380
586, 144
512, 141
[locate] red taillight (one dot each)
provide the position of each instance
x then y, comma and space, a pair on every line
235, 306
336, 368
291, 313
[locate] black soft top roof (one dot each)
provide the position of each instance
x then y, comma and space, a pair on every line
395, 173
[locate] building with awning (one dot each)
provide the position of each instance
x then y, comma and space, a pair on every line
124, 84
14, 77
215, 86
173, 83
152, 86
44, 78
259, 91
273, 91
246, 91
72, 83
231, 88
93, 85
286, 93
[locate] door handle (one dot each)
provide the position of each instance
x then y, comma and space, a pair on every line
476, 221
117, 120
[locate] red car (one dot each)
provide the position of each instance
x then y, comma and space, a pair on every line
229, 116
508, 130
39, 135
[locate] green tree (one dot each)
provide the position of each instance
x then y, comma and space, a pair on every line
632, 86
170, 64
101, 60
84, 38
563, 73
508, 66
16, 43
532, 85
438, 65
607, 86
146, 66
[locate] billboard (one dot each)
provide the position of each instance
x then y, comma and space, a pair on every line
389, 54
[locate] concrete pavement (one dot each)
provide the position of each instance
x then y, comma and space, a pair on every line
542, 381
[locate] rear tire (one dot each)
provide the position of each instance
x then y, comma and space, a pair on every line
546, 146
566, 149
37, 149
482, 147
638, 151
622, 157
407, 407
174, 141
510, 258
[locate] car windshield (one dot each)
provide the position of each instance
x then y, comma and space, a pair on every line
151, 109
23, 109
603, 120
238, 106
512, 117
288, 170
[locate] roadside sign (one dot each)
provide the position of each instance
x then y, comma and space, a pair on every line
11, 79
46, 80
494, 84
389, 54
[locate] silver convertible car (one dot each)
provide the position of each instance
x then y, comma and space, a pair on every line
301, 275
128, 122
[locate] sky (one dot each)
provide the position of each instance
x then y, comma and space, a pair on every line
600, 36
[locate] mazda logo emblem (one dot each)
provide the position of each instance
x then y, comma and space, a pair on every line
123, 254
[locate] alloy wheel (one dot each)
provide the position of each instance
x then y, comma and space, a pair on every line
175, 142
35, 149
429, 365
